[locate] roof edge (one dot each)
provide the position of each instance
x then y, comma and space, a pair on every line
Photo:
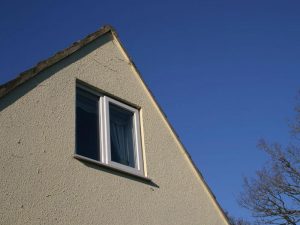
32, 72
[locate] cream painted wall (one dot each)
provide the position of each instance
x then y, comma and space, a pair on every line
41, 181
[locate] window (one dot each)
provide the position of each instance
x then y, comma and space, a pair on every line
107, 132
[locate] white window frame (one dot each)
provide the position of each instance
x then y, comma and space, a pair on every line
104, 135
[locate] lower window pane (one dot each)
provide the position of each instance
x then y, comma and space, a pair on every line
121, 136
87, 137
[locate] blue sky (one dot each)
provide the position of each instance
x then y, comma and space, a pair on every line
226, 73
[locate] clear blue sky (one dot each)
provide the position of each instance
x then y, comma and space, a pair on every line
226, 73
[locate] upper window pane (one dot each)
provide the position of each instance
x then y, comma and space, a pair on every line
87, 122
121, 136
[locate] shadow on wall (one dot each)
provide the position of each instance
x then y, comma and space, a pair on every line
120, 174
33, 82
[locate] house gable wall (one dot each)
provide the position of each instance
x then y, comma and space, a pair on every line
41, 181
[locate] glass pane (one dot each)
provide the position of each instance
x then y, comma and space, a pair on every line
87, 136
121, 136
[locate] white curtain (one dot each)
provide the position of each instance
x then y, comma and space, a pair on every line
121, 134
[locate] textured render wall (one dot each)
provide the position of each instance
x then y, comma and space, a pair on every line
41, 182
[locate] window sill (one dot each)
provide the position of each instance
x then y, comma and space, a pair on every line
79, 157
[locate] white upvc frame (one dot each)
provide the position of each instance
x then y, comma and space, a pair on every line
104, 135
137, 139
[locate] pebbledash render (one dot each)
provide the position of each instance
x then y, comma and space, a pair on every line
83, 141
